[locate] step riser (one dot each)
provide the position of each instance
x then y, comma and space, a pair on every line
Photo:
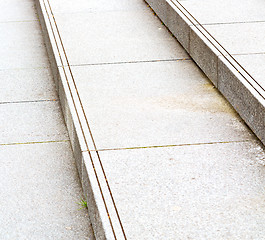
97, 213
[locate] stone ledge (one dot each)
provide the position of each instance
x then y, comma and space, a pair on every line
100, 205
236, 85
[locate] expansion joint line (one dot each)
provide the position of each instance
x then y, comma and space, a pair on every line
215, 43
102, 168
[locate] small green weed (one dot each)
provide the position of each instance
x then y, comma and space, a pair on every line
82, 203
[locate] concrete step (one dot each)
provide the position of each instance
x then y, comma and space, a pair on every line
227, 45
160, 153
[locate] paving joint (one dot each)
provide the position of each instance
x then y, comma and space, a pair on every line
228, 23
27, 143
30, 101
29, 68
23, 21
170, 145
132, 62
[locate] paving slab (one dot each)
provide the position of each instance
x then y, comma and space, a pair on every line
62, 6
192, 192
237, 11
39, 82
31, 122
254, 64
118, 43
240, 38
178, 99
18, 10
40, 192
214, 39
22, 46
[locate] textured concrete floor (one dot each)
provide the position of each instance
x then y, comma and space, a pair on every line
39, 187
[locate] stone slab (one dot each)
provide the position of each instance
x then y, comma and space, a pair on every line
31, 122
17, 10
27, 85
61, 6
240, 38
22, 46
40, 192
123, 112
254, 65
101, 43
216, 195
228, 11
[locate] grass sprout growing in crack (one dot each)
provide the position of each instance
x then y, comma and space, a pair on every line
82, 203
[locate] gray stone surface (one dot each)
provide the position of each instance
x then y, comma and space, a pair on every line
192, 192
40, 192
39, 189
39, 82
178, 24
243, 97
78, 6
124, 112
204, 54
240, 38
17, 10
98, 198
108, 38
254, 65
22, 46
240, 34
31, 122
225, 11
160, 8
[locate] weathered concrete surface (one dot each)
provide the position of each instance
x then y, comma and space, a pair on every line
39, 193
179, 99
210, 36
189, 192
161, 154
39, 187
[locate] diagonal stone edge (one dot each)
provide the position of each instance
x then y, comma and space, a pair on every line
97, 211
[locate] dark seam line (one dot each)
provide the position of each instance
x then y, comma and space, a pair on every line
88, 125
89, 11
132, 62
170, 145
104, 201
25, 68
246, 54
22, 21
28, 143
228, 23
204, 34
34, 101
